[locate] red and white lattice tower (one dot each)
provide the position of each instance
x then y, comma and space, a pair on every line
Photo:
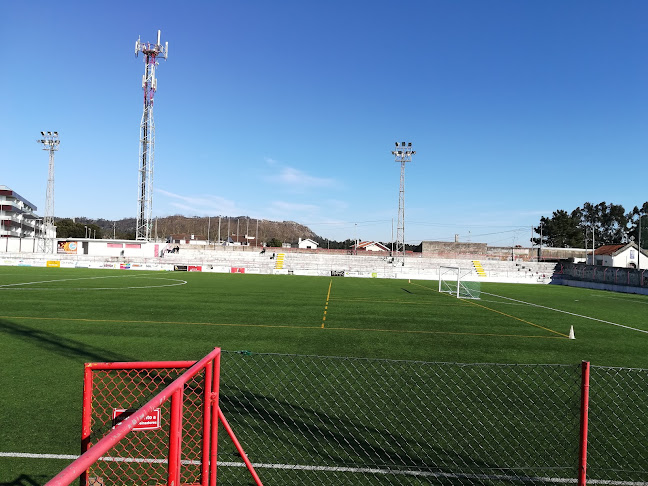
151, 52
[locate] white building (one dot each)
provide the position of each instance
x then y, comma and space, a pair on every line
621, 256
187, 239
17, 216
371, 246
307, 244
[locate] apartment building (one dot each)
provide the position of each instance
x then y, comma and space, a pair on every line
17, 216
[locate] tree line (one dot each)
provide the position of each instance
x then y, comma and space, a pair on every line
610, 223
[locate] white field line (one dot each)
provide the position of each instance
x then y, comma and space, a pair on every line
569, 313
355, 470
21, 285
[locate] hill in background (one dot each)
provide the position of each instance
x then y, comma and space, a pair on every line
263, 229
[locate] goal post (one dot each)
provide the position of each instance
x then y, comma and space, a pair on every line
458, 282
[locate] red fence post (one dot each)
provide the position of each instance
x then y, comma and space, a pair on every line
175, 438
215, 407
86, 416
206, 431
582, 460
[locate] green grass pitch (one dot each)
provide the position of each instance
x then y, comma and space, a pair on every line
54, 320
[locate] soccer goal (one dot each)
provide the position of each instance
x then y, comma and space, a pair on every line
456, 281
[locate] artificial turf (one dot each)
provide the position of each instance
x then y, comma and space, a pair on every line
54, 320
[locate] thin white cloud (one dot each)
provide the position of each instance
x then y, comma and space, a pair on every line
205, 204
298, 179
290, 207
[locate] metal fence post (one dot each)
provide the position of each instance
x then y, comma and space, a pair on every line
175, 438
582, 459
213, 460
207, 424
86, 416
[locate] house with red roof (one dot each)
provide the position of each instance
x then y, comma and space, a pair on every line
370, 246
621, 255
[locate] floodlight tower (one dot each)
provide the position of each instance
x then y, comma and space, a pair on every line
402, 153
50, 143
151, 53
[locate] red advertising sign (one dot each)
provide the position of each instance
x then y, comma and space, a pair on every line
237, 270
151, 422
194, 268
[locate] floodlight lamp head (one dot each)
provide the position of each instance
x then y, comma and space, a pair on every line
43, 134
396, 143
403, 144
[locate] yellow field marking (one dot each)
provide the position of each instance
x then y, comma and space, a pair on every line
467, 301
388, 301
405, 331
517, 319
328, 297
271, 326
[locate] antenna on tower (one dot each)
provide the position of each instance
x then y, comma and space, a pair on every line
151, 53
402, 153
50, 142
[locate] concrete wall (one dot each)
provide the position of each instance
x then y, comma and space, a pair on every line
481, 251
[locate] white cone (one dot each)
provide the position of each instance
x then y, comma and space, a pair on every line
571, 333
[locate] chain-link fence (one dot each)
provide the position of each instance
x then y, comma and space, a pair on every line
618, 426
314, 420
141, 456
350, 421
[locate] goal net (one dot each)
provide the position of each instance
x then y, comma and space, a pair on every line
457, 281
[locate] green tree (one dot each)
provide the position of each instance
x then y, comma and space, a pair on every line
638, 219
610, 223
562, 230
274, 242
66, 228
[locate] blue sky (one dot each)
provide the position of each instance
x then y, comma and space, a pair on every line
289, 110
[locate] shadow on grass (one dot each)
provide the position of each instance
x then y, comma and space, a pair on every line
25, 480
55, 343
314, 438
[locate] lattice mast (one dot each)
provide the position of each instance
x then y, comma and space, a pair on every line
50, 142
403, 154
151, 53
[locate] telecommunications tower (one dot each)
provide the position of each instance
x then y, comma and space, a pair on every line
151, 53
402, 153
50, 143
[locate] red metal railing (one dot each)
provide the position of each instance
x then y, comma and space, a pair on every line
190, 429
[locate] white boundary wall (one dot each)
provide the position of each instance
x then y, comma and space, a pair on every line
256, 262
